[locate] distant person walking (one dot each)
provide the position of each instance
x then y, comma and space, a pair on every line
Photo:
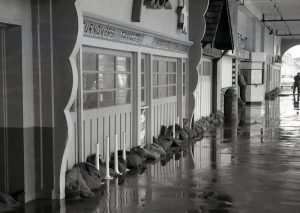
297, 84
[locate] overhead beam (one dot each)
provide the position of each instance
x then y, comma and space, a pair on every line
298, 34
279, 20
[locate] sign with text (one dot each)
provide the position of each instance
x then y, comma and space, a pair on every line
101, 30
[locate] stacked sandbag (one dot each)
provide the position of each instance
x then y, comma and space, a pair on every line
7, 202
146, 152
91, 175
122, 166
190, 132
92, 160
75, 184
134, 161
272, 94
157, 148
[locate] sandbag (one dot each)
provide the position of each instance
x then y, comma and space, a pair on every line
91, 175
176, 142
189, 131
92, 160
157, 148
151, 154
134, 161
139, 151
183, 135
165, 143
121, 164
7, 202
76, 185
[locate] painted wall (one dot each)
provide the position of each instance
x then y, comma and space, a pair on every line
158, 20
226, 71
19, 12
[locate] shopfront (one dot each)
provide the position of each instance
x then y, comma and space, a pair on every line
130, 82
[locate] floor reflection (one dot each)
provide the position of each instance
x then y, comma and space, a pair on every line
251, 165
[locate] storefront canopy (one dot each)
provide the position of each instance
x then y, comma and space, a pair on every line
218, 26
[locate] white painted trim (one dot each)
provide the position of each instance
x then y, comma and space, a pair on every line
129, 48
126, 26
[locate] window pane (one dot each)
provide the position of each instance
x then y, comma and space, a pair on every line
172, 79
172, 91
162, 79
106, 98
106, 63
143, 80
162, 66
184, 68
90, 100
143, 65
155, 79
89, 61
155, 92
106, 81
162, 92
171, 66
142, 95
122, 80
122, 64
89, 81
123, 97
155, 66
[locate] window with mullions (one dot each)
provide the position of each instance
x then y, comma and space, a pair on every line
106, 79
184, 78
164, 78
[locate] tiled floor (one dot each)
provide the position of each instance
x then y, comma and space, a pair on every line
254, 169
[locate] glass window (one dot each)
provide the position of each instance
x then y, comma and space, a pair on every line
162, 92
164, 78
172, 67
106, 98
90, 81
106, 78
89, 61
106, 81
155, 92
122, 97
106, 63
90, 100
122, 81
155, 66
122, 64
162, 66
172, 79
172, 91
155, 79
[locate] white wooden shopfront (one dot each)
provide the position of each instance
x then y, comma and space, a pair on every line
126, 87
204, 90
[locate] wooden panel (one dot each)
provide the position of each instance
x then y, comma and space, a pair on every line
164, 112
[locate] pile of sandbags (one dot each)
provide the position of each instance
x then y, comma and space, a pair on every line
202, 125
272, 94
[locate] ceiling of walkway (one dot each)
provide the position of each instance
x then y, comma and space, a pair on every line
288, 11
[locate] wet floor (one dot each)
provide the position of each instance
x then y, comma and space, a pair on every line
250, 166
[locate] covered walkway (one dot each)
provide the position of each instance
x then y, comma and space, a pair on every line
253, 166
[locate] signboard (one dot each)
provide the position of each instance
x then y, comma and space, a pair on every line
256, 76
101, 30
239, 53
212, 52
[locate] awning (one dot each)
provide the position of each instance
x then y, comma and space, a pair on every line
218, 26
